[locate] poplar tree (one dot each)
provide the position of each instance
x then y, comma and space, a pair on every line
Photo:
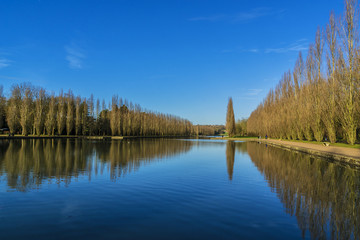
2, 108
39, 111
298, 75
114, 115
12, 111
51, 116
317, 124
97, 122
330, 92
77, 115
349, 31
323, 106
26, 108
230, 119
70, 113
61, 113
91, 123
85, 115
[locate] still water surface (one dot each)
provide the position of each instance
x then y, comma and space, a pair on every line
172, 189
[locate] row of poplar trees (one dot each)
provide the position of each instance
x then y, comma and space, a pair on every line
31, 110
311, 102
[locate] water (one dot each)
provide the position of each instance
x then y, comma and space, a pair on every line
172, 189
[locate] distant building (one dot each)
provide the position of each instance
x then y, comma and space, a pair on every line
4, 131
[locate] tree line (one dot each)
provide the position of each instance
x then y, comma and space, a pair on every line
29, 163
311, 102
209, 130
241, 127
31, 110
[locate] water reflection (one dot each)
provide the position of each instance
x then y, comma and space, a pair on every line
323, 196
231, 147
27, 164
230, 158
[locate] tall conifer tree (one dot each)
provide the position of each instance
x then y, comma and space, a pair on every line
230, 119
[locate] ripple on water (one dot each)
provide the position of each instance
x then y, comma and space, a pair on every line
171, 189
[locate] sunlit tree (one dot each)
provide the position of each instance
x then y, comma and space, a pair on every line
230, 119
50, 121
61, 113
39, 116
2, 107
69, 112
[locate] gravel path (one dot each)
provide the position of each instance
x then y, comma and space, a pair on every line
342, 151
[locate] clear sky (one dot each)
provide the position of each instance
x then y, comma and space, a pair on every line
184, 57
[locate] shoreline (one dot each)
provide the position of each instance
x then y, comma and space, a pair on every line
334, 153
3, 137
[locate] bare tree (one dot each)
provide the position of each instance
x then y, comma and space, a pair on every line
298, 75
85, 115
58, 113
317, 86
13, 109
26, 110
77, 115
61, 113
50, 121
97, 122
113, 115
91, 118
330, 92
349, 33
69, 112
39, 119
322, 106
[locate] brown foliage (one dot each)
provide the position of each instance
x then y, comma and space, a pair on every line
230, 119
309, 104
30, 110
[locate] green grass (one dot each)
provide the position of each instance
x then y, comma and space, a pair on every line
239, 138
242, 137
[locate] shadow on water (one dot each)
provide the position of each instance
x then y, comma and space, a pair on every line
323, 196
27, 164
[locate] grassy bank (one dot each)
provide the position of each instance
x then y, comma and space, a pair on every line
236, 138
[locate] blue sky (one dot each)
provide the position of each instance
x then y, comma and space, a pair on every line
181, 57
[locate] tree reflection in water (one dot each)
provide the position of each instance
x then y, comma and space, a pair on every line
323, 196
231, 146
230, 158
27, 164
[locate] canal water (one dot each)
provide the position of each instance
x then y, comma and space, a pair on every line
172, 189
